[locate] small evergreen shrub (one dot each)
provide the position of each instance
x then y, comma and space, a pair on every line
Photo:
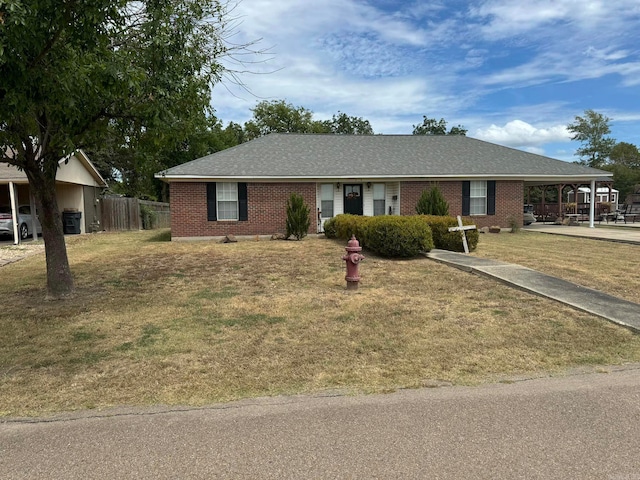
397, 236
432, 202
446, 240
298, 220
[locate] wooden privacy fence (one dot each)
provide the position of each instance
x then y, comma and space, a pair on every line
122, 213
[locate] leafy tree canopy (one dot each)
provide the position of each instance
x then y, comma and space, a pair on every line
592, 130
626, 154
77, 73
278, 116
431, 126
347, 125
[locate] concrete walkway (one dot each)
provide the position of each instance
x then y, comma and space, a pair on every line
612, 232
588, 300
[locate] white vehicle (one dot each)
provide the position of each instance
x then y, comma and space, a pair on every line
529, 217
24, 222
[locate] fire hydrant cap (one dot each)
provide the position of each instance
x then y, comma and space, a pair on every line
353, 242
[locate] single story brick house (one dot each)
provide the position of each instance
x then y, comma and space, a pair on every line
243, 190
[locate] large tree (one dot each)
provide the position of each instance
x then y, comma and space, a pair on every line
278, 116
591, 131
431, 126
71, 70
347, 125
626, 154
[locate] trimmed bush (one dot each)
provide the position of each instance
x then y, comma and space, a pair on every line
329, 228
432, 202
298, 220
396, 236
446, 240
347, 225
387, 235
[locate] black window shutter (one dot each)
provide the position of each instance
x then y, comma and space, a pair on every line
491, 197
211, 202
466, 198
243, 209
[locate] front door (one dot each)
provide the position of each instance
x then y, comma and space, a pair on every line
353, 199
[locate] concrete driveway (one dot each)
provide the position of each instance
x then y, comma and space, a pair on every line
584, 426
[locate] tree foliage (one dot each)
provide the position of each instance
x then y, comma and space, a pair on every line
625, 154
346, 125
592, 130
278, 116
431, 126
78, 73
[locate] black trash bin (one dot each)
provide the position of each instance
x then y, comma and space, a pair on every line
71, 222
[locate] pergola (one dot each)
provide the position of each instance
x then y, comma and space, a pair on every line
561, 187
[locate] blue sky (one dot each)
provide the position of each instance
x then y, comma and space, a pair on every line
512, 72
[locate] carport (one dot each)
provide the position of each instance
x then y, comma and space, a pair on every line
552, 210
79, 186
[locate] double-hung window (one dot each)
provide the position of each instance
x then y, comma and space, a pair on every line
478, 198
326, 200
227, 201
378, 199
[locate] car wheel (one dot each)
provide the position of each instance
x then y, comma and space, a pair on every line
24, 231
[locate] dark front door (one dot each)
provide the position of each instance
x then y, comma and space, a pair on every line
353, 199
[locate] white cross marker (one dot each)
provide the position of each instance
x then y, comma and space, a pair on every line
460, 228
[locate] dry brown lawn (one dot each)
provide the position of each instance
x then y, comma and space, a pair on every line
157, 322
607, 266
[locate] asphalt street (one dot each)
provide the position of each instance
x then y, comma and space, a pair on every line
582, 426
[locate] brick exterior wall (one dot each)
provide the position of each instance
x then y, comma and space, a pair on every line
267, 206
266, 210
509, 200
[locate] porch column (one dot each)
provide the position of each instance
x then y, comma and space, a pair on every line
14, 213
560, 193
592, 204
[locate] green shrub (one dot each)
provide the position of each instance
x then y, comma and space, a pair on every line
432, 202
347, 225
329, 228
446, 240
149, 217
298, 220
396, 236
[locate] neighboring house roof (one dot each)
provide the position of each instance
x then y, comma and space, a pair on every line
76, 168
309, 156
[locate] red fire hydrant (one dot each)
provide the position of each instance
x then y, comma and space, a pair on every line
353, 258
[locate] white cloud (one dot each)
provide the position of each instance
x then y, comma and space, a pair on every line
517, 133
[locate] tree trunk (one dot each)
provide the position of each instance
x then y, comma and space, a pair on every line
59, 278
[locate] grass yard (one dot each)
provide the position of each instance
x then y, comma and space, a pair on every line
156, 322
606, 266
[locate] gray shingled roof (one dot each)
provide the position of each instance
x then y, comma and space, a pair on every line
316, 156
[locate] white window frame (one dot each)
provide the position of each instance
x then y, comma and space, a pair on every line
478, 197
383, 197
328, 188
227, 192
